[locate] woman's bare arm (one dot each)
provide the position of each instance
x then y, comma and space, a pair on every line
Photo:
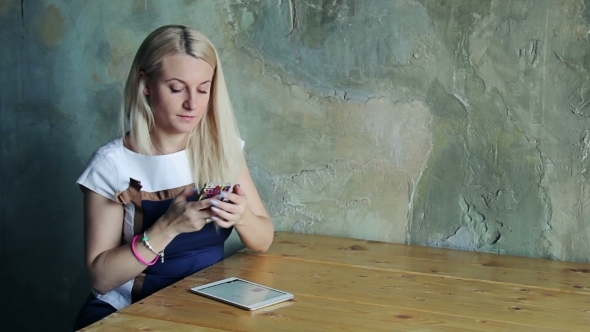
110, 264
256, 229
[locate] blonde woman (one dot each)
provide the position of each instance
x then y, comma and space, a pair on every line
143, 232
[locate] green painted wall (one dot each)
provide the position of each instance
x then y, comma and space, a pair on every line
453, 123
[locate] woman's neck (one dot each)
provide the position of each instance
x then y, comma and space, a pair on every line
167, 144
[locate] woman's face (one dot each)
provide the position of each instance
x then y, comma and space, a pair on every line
179, 93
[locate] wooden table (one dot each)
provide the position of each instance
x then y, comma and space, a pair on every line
354, 285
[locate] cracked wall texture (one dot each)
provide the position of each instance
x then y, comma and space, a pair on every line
451, 123
446, 123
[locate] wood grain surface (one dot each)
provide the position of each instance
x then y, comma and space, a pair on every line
345, 284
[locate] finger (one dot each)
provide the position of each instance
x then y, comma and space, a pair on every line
231, 197
232, 207
204, 214
222, 222
200, 205
238, 190
184, 195
198, 216
209, 218
225, 214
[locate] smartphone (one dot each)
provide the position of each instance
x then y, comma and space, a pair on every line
212, 189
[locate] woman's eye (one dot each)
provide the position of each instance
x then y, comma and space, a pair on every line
175, 90
202, 91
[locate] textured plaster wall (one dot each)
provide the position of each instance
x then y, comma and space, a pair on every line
447, 123
458, 123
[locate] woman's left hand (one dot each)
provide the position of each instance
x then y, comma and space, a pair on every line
228, 214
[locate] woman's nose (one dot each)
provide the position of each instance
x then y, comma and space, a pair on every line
190, 103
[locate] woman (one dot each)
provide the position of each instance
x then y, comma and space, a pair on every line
141, 232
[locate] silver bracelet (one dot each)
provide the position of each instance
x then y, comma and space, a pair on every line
145, 239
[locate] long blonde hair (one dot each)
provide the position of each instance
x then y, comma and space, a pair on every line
213, 147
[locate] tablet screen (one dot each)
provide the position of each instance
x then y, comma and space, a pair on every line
242, 293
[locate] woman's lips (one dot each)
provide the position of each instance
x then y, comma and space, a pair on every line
187, 117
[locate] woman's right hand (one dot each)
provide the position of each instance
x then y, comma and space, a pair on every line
184, 216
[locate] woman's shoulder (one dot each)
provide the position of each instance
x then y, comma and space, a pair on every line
112, 148
101, 172
109, 153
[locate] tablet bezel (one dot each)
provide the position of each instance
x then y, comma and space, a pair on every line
258, 305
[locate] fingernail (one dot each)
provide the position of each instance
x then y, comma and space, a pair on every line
214, 218
215, 209
223, 194
215, 202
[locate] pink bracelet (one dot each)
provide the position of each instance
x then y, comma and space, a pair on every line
136, 254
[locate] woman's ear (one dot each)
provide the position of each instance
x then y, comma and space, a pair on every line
146, 88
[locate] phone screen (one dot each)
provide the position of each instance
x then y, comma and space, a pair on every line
213, 189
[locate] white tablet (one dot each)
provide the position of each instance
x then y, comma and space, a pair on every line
242, 293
